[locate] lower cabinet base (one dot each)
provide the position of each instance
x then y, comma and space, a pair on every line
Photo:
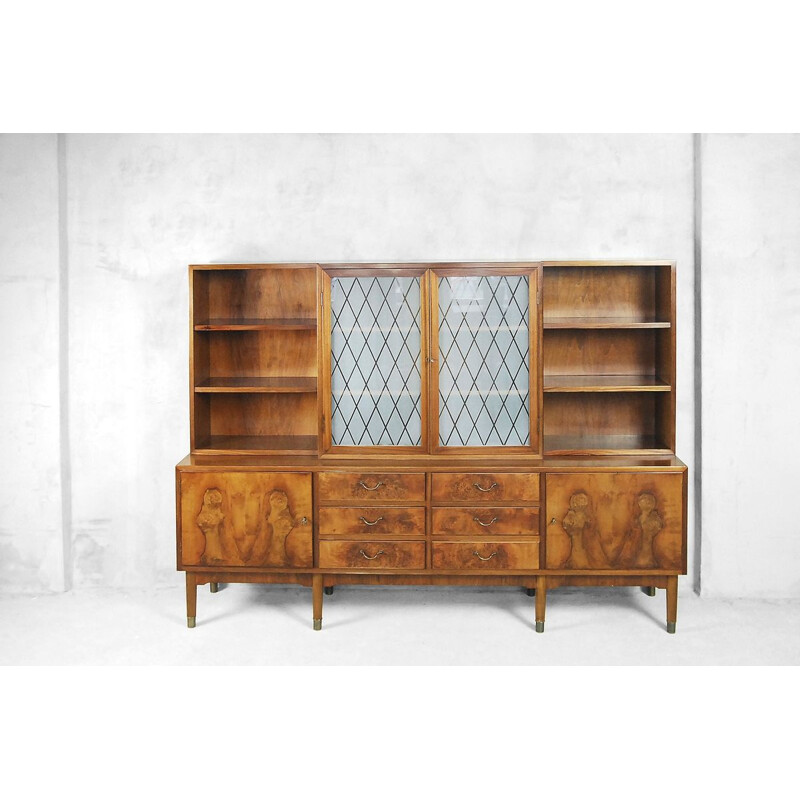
536, 585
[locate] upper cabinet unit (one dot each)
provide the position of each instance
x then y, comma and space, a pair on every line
524, 358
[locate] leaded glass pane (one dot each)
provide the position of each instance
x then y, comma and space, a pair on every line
375, 361
484, 389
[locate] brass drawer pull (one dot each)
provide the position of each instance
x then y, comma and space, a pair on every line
371, 488
481, 489
485, 524
488, 558
367, 522
371, 558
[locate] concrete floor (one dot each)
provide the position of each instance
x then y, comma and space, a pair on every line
250, 624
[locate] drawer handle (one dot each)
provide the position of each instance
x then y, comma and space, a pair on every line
481, 489
488, 558
367, 522
371, 558
371, 488
485, 524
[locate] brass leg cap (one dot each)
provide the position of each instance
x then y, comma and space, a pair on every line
531, 592
214, 587
539, 626
190, 621
329, 590
317, 624
670, 627
650, 591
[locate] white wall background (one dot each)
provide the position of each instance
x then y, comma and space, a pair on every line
96, 232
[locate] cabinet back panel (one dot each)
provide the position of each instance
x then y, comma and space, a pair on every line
255, 293
262, 415
600, 414
600, 291
255, 354
600, 352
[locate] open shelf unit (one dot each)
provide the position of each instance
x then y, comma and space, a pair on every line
608, 358
254, 359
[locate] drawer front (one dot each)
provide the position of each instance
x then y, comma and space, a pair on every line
486, 555
455, 487
371, 555
615, 521
371, 522
246, 519
371, 487
485, 521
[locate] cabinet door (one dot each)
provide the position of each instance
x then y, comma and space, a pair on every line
484, 390
377, 324
624, 521
245, 519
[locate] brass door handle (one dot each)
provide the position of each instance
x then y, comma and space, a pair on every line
371, 558
481, 489
485, 524
553, 521
367, 522
371, 488
488, 558
303, 521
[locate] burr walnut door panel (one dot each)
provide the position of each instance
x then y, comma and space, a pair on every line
246, 519
615, 521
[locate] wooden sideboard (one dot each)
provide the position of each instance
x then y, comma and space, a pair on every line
451, 424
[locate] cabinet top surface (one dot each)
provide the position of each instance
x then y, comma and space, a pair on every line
434, 463
396, 264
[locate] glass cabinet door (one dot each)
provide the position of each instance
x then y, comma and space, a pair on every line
377, 378
482, 344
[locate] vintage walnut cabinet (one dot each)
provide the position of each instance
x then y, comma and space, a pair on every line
457, 424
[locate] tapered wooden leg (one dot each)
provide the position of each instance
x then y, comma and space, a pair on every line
650, 591
329, 590
316, 596
530, 591
191, 599
672, 603
214, 587
541, 600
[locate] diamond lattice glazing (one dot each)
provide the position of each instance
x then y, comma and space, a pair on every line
483, 361
375, 361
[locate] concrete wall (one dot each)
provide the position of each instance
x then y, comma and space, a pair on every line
140, 208
751, 365
31, 532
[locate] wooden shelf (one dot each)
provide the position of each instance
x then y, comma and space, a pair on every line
604, 383
256, 324
603, 445
286, 385
618, 323
289, 445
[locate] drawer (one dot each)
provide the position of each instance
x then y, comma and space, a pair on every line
449, 487
371, 487
485, 521
371, 555
371, 521
245, 519
624, 520
486, 555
